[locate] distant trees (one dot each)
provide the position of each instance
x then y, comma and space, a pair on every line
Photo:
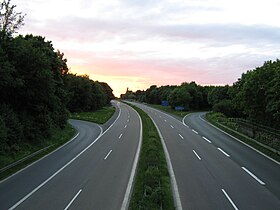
188, 95
36, 90
85, 94
255, 96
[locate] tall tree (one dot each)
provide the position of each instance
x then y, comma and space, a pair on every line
10, 20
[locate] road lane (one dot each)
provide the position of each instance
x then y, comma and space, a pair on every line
216, 181
244, 156
90, 181
16, 187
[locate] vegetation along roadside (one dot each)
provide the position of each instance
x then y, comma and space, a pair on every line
38, 93
267, 143
152, 189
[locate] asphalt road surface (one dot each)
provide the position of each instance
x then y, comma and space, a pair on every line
213, 170
90, 172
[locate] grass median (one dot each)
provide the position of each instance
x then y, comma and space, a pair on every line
152, 188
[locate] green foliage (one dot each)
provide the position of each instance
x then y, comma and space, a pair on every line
10, 20
226, 107
152, 188
58, 138
248, 132
100, 116
188, 95
217, 94
85, 95
36, 90
258, 95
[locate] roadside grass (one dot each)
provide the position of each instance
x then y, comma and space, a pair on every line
100, 116
58, 138
168, 109
211, 117
152, 188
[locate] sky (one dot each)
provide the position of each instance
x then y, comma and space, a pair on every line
138, 43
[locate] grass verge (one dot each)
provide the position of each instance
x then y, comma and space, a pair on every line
59, 137
168, 109
212, 119
100, 116
152, 189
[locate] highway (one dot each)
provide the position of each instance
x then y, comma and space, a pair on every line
92, 171
213, 170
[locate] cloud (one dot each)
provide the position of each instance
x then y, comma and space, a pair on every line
158, 42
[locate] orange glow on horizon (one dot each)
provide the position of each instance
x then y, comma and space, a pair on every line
119, 84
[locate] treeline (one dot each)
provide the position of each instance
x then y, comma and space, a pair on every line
37, 91
188, 95
255, 96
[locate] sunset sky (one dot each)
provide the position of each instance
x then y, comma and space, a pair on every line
138, 43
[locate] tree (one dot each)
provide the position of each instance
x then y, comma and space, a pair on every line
259, 93
180, 97
10, 20
217, 94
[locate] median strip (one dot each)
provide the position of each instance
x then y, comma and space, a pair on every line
152, 188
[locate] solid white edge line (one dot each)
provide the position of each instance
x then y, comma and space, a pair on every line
194, 131
196, 155
229, 199
41, 158
253, 175
175, 191
201, 118
275, 161
128, 192
108, 154
183, 120
120, 135
181, 136
73, 199
222, 151
207, 140
63, 167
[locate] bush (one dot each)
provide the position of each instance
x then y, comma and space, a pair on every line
226, 107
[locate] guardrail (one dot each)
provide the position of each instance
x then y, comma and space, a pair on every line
262, 134
23, 159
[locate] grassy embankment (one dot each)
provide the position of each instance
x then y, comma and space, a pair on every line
213, 118
100, 116
58, 138
152, 189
